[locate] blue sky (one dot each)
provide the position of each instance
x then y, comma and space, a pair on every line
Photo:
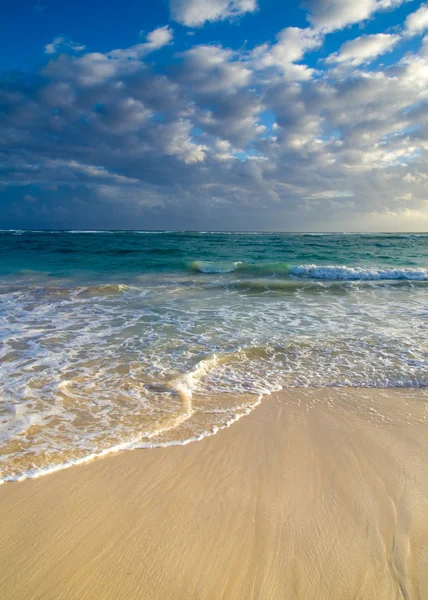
234, 114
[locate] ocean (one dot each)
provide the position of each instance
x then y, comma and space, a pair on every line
115, 340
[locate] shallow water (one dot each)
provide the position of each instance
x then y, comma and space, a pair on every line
113, 340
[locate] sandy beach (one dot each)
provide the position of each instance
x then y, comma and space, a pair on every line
314, 495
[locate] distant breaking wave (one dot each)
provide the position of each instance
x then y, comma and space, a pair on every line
359, 273
328, 272
228, 267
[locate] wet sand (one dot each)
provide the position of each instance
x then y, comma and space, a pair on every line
320, 495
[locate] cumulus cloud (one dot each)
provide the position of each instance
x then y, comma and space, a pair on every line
212, 68
364, 49
329, 15
292, 43
177, 141
417, 22
159, 37
225, 106
194, 13
95, 67
156, 39
257, 138
63, 43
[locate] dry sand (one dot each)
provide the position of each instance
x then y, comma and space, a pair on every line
312, 496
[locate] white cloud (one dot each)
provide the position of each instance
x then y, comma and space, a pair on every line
193, 138
159, 37
417, 22
224, 104
90, 69
94, 68
156, 39
62, 43
213, 68
194, 13
329, 194
329, 15
364, 49
89, 171
290, 48
415, 76
177, 141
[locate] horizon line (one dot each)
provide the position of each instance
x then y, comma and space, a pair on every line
249, 231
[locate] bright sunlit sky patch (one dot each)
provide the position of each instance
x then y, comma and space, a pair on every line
227, 114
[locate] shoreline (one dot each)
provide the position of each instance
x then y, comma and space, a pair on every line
315, 494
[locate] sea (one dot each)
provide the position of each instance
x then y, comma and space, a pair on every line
113, 340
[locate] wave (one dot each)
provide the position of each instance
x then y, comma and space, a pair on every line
256, 370
79, 292
338, 272
327, 272
312, 286
101, 290
184, 387
37, 472
275, 268
154, 232
214, 267
86, 231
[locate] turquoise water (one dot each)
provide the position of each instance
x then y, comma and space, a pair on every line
116, 340
104, 254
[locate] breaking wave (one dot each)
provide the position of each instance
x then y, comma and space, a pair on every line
327, 272
90, 366
359, 273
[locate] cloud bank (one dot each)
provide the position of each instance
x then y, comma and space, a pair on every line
218, 138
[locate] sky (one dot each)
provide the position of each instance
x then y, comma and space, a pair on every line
214, 115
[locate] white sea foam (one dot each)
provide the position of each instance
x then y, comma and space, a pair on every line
184, 385
214, 267
86, 231
332, 272
94, 369
35, 473
359, 273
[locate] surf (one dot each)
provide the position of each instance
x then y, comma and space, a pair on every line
313, 271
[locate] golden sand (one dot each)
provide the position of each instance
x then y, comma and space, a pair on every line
314, 496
